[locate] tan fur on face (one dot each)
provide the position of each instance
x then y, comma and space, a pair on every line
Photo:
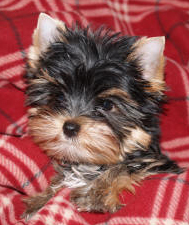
47, 77
137, 138
98, 138
116, 92
43, 78
95, 142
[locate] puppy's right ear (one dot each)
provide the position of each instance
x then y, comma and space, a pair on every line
45, 34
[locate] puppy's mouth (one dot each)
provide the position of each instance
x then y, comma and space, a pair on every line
79, 139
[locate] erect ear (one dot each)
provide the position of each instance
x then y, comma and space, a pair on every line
45, 33
149, 51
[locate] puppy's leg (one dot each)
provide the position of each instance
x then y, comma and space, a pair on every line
35, 203
102, 194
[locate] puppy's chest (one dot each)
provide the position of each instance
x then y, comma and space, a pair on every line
78, 175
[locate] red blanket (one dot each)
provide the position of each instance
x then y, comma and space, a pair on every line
25, 170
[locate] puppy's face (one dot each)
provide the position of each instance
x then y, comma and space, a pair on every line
94, 96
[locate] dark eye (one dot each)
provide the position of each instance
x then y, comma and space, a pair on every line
107, 105
59, 101
60, 97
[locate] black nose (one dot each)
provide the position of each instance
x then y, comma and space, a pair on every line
70, 128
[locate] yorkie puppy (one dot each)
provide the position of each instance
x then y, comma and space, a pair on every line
95, 100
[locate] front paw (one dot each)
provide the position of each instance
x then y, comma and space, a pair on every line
35, 203
95, 200
32, 206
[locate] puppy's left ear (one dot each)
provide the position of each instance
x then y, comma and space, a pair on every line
149, 52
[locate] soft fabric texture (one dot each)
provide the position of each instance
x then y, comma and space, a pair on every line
25, 169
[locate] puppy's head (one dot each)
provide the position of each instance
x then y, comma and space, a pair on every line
95, 96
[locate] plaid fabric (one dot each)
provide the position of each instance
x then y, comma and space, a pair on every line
25, 170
